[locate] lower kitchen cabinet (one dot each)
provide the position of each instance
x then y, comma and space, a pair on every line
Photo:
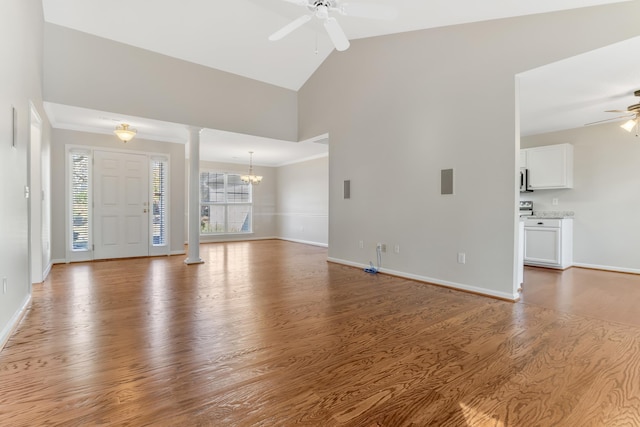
548, 242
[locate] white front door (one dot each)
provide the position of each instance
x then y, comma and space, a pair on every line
121, 200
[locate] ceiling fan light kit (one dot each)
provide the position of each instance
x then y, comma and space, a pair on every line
632, 112
629, 125
321, 9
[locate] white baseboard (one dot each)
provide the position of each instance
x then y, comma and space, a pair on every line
607, 268
229, 238
46, 271
58, 261
8, 330
305, 242
178, 252
431, 280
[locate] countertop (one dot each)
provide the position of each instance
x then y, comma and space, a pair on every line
551, 215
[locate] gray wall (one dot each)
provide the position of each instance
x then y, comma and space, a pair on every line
264, 201
176, 152
400, 108
605, 197
303, 201
21, 32
88, 71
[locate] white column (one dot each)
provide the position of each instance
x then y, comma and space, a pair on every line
193, 254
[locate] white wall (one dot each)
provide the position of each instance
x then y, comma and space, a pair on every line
264, 201
605, 197
400, 108
87, 71
303, 201
21, 33
176, 152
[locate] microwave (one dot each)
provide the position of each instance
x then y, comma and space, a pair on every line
524, 181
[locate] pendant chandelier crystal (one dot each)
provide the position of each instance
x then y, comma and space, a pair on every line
251, 178
124, 133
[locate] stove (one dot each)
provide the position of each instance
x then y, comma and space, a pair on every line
526, 208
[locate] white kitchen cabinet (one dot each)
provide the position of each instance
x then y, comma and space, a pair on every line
550, 167
548, 242
523, 158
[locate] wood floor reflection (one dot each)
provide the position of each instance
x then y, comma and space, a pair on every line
268, 333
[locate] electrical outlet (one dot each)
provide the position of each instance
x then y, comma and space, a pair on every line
4, 285
554, 201
396, 249
382, 247
361, 244
462, 258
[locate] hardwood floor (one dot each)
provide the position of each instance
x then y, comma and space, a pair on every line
602, 294
268, 333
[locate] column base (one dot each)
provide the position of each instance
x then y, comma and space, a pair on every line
190, 261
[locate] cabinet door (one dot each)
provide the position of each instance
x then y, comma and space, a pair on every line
523, 158
547, 167
542, 245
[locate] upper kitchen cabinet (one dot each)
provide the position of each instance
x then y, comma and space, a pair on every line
550, 166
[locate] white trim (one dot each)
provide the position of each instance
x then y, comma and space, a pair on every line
305, 242
305, 159
607, 268
183, 252
59, 261
299, 214
241, 238
13, 323
46, 271
453, 285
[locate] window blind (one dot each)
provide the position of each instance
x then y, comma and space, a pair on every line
159, 202
80, 201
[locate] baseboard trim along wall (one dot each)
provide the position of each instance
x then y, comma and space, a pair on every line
607, 268
305, 242
237, 238
432, 281
46, 271
14, 322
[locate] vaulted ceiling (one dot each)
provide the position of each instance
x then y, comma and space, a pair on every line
232, 36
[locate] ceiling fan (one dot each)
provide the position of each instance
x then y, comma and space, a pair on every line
321, 9
632, 112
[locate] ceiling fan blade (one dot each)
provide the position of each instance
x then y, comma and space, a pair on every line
368, 10
290, 27
337, 36
608, 120
617, 111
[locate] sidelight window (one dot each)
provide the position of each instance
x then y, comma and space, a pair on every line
80, 197
159, 177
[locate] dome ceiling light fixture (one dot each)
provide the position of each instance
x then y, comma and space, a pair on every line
124, 133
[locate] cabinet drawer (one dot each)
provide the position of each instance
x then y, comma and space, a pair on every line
542, 222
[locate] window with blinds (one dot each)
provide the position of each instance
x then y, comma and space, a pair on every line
79, 201
225, 204
159, 202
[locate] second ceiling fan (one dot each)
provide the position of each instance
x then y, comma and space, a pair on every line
632, 112
321, 9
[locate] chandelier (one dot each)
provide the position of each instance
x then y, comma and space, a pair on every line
251, 178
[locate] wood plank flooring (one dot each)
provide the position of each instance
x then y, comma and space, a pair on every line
268, 333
